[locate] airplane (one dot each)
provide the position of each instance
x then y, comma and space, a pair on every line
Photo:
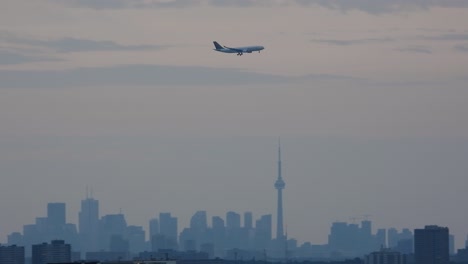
239, 50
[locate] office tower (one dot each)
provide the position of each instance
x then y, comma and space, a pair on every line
233, 220
279, 185
405, 246
233, 227
248, 220
136, 238
385, 256
217, 223
263, 234
451, 245
394, 236
366, 228
55, 252
11, 254
88, 219
381, 238
431, 245
15, 238
56, 214
198, 229
153, 227
168, 229
110, 226
198, 222
219, 235
117, 243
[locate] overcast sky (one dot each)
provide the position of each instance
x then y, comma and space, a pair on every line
128, 96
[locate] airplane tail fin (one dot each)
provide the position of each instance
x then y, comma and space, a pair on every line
217, 46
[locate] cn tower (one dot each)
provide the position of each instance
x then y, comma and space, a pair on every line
279, 185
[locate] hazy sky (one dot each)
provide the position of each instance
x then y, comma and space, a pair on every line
128, 96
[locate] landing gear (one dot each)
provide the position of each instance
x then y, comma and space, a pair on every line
239, 54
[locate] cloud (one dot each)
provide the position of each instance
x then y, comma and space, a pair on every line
9, 58
369, 6
341, 42
69, 44
120, 4
449, 36
383, 6
416, 49
461, 47
145, 75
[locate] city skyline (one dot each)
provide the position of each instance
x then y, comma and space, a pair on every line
349, 239
56, 215
129, 97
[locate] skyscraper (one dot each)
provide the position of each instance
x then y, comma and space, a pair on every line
431, 245
248, 220
279, 185
89, 225
168, 228
56, 214
55, 252
11, 254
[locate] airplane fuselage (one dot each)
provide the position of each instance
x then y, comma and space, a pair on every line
238, 50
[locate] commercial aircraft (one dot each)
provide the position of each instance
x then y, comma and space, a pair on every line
238, 50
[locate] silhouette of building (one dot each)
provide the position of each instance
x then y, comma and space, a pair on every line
279, 244
263, 230
279, 186
233, 230
88, 219
55, 252
136, 238
15, 238
248, 220
153, 227
168, 230
56, 214
11, 254
385, 256
219, 235
431, 245
394, 236
111, 226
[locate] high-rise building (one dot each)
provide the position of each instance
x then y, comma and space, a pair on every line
88, 219
168, 228
113, 225
431, 245
233, 220
233, 230
263, 234
56, 214
199, 221
55, 252
219, 235
15, 238
279, 185
248, 220
11, 254
385, 256
153, 227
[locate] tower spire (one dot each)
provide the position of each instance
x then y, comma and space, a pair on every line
279, 158
279, 185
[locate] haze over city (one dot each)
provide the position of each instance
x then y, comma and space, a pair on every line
129, 98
